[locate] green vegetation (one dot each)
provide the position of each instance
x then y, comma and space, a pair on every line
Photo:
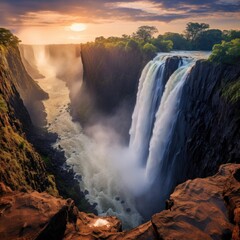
7, 38
193, 30
149, 49
145, 33
206, 39
232, 91
21, 145
46, 160
197, 36
3, 105
226, 52
141, 42
178, 40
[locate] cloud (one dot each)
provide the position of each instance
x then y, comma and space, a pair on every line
44, 12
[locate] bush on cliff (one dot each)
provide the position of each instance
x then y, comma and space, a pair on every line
3, 105
226, 52
232, 91
7, 38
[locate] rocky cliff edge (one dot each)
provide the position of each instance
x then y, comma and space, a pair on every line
207, 208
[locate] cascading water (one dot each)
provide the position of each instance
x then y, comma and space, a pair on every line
149, 93
122, 180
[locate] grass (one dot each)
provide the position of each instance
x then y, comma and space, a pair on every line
232, 92
3, 105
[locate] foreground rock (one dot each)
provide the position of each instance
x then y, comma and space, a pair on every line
207, 208
34, 215
24, 214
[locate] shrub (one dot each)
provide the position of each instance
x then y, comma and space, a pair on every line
7, 38
149, 49
232, 92
3, 105
226, 52
21, 145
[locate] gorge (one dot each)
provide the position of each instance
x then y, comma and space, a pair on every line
182, 127
122, 180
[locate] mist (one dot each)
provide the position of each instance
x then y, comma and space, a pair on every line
99, 153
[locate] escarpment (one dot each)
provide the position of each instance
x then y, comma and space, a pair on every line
110, 79
213, 133
21, 166
31, 94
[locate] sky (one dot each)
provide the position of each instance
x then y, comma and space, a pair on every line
76, 21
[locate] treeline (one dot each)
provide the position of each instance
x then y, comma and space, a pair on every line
141, 41
197, 36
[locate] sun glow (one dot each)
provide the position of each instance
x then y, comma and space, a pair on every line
78, 27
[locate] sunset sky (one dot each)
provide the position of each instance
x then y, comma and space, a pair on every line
75, 21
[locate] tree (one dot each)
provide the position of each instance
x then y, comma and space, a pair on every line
194, 29
132, 45
178, 40
161, 44
229, 35
205, 40
145, 33
226, 52
150, 50
7, 38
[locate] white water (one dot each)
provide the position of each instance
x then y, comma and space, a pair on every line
166, 117
154, 118
149, 90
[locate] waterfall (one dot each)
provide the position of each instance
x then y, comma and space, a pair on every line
149, 94
151, 116
131, 182
166, 117
154, 130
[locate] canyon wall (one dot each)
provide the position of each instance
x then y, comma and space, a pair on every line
212, 119
21, 166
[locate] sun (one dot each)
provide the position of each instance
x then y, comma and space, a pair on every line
78, 27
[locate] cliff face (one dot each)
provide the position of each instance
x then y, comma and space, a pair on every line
29, 61
30, 92
110, 80
213, 134
21, 165
110, 75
